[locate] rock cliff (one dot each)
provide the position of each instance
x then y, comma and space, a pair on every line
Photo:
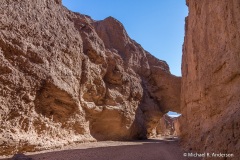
65, 78
164, 128
211, 77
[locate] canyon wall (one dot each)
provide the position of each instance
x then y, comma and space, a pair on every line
210, 99
165, 127
65, 78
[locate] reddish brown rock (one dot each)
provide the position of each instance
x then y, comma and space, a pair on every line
177, 126
165, 127
160, 89
211, 77
65, 78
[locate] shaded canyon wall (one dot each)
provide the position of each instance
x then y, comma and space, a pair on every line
210, 102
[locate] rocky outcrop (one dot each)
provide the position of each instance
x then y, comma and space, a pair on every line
211, 77
177, 126
165, 127
65, 78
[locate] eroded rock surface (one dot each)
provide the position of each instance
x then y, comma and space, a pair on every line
65, 78
165, 127
211, 77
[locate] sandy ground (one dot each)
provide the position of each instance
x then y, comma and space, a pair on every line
152, 149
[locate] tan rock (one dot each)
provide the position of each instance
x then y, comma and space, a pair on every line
65, 78
165, 127
160, 88
210, 83
177, 125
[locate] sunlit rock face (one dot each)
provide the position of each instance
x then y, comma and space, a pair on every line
65, 78
211, 77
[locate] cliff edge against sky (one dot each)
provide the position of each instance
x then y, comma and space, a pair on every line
65, 78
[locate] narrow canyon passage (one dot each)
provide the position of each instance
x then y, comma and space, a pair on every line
66, 79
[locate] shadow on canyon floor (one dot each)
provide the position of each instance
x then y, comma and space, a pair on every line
152, 149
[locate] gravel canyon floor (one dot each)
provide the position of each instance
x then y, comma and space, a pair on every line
152, 149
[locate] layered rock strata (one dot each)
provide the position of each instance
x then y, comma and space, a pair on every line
211, 77
65, 78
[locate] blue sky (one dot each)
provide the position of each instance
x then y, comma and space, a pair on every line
158, 25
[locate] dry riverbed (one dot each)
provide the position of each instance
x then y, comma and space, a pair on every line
152, 149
